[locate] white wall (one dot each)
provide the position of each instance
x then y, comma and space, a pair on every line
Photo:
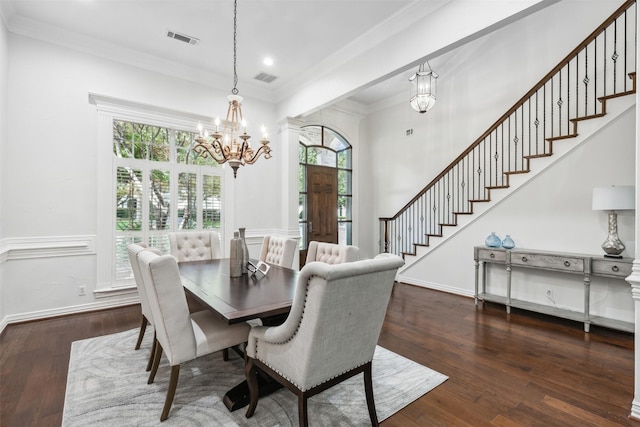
53, 121
49, 169
4, 69
552, 212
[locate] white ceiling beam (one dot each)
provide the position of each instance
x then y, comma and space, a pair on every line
453, 24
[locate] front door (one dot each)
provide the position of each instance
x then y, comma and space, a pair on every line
322, 206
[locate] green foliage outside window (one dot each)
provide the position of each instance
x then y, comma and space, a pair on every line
148, 159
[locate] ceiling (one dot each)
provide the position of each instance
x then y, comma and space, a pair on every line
309, 40
298, 34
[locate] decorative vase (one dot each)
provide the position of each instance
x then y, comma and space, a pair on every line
235, 258
508, 243
245, 252
493, 241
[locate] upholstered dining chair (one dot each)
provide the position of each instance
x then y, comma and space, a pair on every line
195, 245
183, 336
278, 250
331, 253
331, 332
133, 250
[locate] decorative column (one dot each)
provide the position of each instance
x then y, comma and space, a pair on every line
289, 164
634, 279
104, 192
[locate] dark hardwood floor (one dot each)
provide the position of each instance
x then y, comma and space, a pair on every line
520, 369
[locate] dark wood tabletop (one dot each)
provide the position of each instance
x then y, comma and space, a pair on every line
237, 299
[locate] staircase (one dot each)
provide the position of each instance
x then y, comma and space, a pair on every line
573, 96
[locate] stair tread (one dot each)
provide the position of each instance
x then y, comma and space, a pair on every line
537, 156
557, 138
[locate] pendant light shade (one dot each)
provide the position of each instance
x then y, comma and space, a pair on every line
423, 89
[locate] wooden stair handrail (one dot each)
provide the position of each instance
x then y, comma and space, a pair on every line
517, 105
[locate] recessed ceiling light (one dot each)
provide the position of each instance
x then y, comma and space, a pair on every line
267, 61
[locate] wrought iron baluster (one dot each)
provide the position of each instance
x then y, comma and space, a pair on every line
577, 88
595, 76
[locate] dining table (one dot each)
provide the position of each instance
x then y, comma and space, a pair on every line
237, 299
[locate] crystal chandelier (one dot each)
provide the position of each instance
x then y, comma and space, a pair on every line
231, 143
423, 89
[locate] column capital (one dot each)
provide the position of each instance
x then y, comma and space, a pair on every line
290, 124
634, 280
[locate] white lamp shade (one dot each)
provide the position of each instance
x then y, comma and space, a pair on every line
614, 198
423, 103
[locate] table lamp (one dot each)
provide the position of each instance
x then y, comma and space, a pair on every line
612, 199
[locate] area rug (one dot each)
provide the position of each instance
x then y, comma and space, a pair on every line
107, 386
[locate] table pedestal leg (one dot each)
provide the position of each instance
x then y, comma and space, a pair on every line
238, 397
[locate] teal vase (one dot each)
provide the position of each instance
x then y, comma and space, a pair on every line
508, 243
493, 241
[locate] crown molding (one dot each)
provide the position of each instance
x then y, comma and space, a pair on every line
124, 55
7, 11
147, 113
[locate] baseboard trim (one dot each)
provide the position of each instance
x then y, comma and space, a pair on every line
635, 411
434, 286
64, 311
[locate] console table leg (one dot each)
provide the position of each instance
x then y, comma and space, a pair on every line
508, 288
587, 292
475, 297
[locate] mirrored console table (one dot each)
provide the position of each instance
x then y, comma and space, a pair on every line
586, 266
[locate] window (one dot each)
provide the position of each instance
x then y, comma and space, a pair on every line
161, 185
324, 147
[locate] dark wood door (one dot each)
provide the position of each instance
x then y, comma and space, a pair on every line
322, 206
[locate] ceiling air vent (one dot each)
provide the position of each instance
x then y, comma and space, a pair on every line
264, 77
183, 38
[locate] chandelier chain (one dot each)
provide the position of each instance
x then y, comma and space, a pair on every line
235, 47
231, 143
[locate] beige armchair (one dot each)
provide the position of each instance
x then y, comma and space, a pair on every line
331, 332
278, 250
182, 336
195, 245
331, 253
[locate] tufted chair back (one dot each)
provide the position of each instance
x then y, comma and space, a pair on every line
195, 245
278, 250
331, 331
330, 253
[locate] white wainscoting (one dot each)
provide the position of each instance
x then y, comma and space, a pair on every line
46, 247
41, 276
